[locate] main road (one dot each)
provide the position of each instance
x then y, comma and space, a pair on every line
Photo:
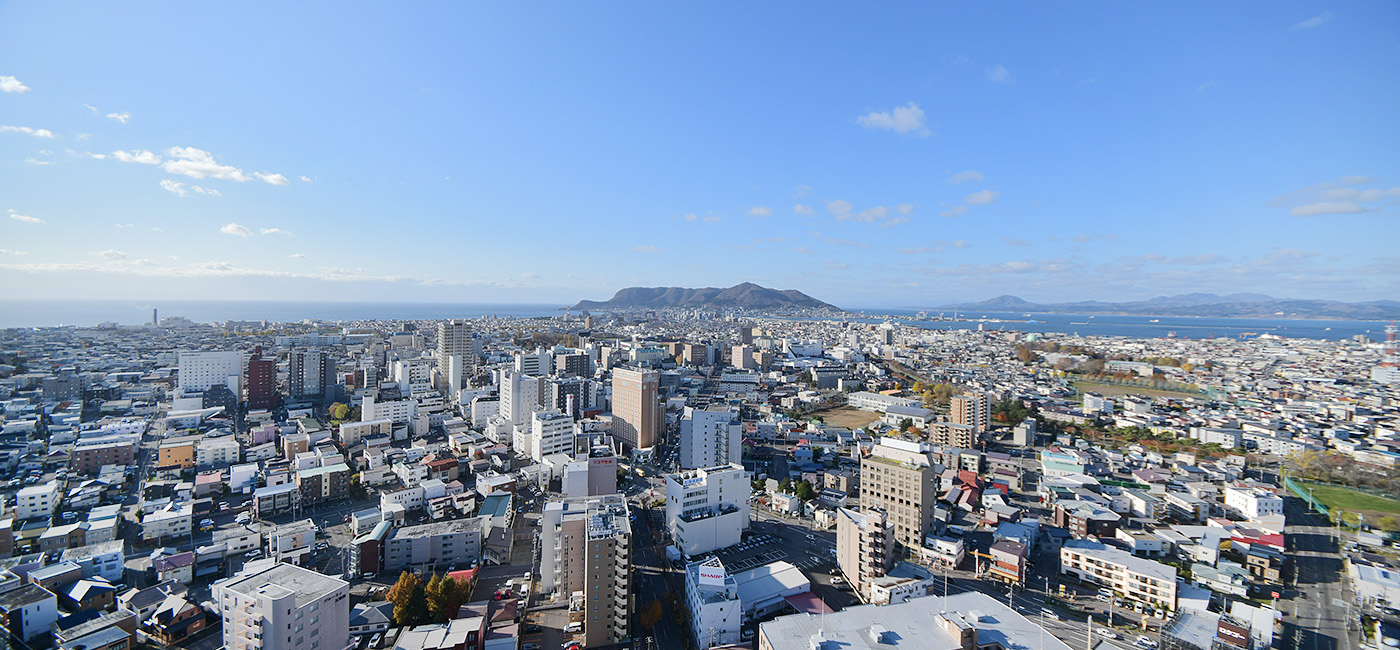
1317, 610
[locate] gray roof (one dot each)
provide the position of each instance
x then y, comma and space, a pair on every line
912, 625
23, 596
93, 550
433, 529
306, 584
371, 613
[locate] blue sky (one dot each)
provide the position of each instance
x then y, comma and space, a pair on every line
886, 155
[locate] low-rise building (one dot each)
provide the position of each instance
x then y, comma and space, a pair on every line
1135, 578
712, 597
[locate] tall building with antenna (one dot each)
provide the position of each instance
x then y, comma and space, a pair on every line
1388, 372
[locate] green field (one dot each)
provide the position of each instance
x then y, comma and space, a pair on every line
1349, 500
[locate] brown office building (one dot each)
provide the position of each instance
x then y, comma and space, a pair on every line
637, 414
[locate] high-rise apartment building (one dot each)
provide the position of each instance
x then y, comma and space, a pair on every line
284, 607
711, 436
310, 375
455, 340
707, 509
864, 547
973, 409
551, 432
586, 552
899, 478
637, 414
261, 382
536, 364
520, 395
200, 370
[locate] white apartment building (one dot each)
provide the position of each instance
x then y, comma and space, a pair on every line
292, 542
551, 432
713, 599
284, 607
410, 473
101, 559
200, 370
171, 520
1186, 507
711, 436
37, 500
867, 401
1252, 502
864, 547
398, 411
409, 499
520, 395
586, 554
707, 509
1136, 578
218, 452
437, 545
455, 340
535, 364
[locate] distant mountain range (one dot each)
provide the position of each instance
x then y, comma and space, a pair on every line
741, 296
1235, 305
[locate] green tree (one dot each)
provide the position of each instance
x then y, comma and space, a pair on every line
805, 491
906, 424
339, 411
435, 594
785, 486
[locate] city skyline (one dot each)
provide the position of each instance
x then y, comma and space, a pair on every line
884, 156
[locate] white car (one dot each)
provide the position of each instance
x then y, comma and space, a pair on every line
1105, 632
1145, 642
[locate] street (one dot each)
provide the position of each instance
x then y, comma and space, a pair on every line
1317, 609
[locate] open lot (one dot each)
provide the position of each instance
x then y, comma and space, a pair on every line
847, 417
1355, 501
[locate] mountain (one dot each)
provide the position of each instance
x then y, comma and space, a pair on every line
741, 296
1235, 305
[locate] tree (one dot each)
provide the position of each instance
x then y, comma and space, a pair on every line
650, 614
805, 491
339, 411
410, 601
785, 486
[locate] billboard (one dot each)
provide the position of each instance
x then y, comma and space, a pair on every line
712, 575
1232, 634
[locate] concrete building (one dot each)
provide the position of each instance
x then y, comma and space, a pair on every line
284, 607
261, 385
864, 547
637, 411
551, 432
28, 611
455, 340
1086, 519
712, 597
973, 409
967, 621
899, 478
38, 500
311, 375
877, 402
1252, 503
200, 370
591, 474
1136, 578
707, 509
520, 396
436, 546
711, 436
586, 557
103, 559
88, 460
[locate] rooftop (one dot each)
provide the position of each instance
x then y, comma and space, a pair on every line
282, 577
436, 528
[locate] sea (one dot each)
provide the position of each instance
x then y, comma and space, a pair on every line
87, 313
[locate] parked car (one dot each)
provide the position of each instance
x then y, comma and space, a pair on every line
1145, 642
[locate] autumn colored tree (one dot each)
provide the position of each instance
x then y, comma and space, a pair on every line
650, 614
410, 601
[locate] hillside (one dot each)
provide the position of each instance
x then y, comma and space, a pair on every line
748, 296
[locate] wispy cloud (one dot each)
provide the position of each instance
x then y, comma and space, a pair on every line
297, 256
982, 198
197, 163
14, 214
12, 85
904, 120
274, 231
712, 219
760, 211
275, 179
969, 175
235, 230
999, 74
113, 255
6, 251
840, 208
1207, 86
835, 266
804, 210
36, 161
306, 179
953, 211
124, 226
1316, 21
120, 117
1015, 242
174, 187
38, 133
1342, 196
646, 249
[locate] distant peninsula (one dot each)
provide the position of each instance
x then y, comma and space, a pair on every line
746, 296
1208, 305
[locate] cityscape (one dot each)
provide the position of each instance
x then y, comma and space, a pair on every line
742, 326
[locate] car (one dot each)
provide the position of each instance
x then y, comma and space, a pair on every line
367, 575
837, 581
1102, 598
253, 555
1145, 642
533, 629
530, 646
573, 628
1048, 613
1105, 632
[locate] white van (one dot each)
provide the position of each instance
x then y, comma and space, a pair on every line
573, 628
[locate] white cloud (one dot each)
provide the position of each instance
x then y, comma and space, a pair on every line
904, 208
36, 161
842, 209
197, 163
306, 179
804, 210
120, 117
91, 108
961, 243
1316, 21
711, 219
835, 266
88, 154
761, 211
954, 211
645, 249
999, 73
173, 187
12, 85
137, 156
915, 250
14, 214
982, 198
902, 120
1326, 207
1015, 242
801, 191
274, 231
144, 262
969, 175
124, 226
235, 229
869, 215
1207, 86
38, 133
297, 256
691, 216
206, 190
6, 251
275, 179
113, 255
